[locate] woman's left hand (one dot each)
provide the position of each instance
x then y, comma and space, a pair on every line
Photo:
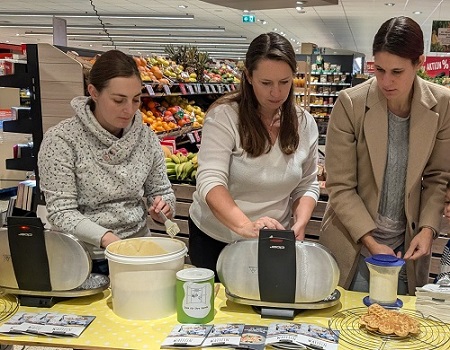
420, 245
299, 231
159, 205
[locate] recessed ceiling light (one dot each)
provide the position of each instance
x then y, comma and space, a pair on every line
389, 4
263, 21
183, 6
246, 11
275, 29
417, 12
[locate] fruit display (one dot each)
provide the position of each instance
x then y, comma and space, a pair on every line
182, 167
171, 113
221, 73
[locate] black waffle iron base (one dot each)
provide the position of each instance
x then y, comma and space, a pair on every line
94, 284
284, 310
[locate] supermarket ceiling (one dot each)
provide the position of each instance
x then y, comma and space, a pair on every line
216, 26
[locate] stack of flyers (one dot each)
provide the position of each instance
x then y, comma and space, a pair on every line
253, 337
186, 335
293, 335
225, 334
46, 323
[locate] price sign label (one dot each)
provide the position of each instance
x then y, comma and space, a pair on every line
167, 89
183, 89
191, 137
213, 89
207, 88
228, 88
150, 90
190, 88
197, 135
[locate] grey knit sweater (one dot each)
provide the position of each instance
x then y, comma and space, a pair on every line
94, 182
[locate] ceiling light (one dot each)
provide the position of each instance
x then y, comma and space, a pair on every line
148, 36
389, 4
301, 2
417, 12
275, 29
119, 27
105, 39
263, 21
86, 15
183, 6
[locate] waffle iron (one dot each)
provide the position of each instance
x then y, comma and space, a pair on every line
278, 275
44, 266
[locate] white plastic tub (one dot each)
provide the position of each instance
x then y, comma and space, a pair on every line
143, 287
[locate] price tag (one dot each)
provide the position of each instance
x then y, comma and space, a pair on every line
198, 88
207, 88
183, 89
190, 89
213, 89
228, 88
220, 89
150, 90
191, 137
197, 136
166, 89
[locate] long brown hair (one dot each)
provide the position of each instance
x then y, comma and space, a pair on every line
255, 139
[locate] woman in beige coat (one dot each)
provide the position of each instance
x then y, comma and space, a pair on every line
387, 159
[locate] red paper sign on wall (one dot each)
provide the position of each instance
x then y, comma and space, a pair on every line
435, 65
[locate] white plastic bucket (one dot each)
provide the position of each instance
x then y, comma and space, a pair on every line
143, 287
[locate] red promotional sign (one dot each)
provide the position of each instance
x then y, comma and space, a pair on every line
435, 65
370, 67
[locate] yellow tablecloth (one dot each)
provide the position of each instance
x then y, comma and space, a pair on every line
109, 331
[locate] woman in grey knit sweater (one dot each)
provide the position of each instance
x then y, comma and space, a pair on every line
97, 167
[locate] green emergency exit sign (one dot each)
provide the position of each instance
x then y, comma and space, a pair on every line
248, 18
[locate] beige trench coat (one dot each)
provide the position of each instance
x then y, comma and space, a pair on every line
356, 152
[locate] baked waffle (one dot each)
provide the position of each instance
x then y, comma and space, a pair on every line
388, 322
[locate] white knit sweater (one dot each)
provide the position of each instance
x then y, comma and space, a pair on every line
94, 182
262, 186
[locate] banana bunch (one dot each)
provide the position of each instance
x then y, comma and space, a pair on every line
182, 167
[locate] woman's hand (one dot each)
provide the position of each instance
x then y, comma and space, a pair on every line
299, 231
159, 205
108, 238
376, 248
251, 229
420, 245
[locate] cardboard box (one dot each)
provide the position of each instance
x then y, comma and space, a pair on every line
9, 97
307, 48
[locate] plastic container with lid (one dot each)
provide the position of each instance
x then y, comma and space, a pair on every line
143, 286
384, 271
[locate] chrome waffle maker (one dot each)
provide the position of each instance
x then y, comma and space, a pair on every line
278, 275
44, 266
